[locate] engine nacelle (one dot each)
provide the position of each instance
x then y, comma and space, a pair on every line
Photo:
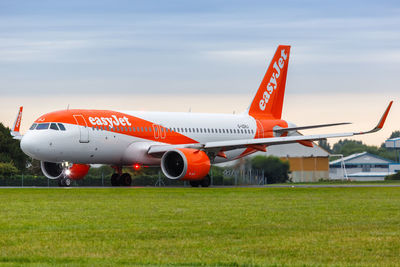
185, 164
53, 170
77, 171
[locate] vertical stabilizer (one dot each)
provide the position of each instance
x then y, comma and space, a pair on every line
268, 100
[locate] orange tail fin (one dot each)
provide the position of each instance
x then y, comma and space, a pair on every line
268, 101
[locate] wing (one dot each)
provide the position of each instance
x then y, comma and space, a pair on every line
261, 143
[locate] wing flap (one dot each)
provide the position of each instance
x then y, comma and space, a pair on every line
282, 130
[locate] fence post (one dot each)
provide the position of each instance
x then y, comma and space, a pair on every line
102, 178
236, 177
212, 177
48, 182
22, 178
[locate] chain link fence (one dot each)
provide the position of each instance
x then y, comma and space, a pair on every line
221, 177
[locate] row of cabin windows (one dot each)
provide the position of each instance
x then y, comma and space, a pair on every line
60, 126
45, 126
170, 130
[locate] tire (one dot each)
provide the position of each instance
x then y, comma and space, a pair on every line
67, 182
61, 182
206, 181
115, 179
125, 179
194, 183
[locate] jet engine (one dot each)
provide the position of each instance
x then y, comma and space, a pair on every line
185, 164
54, 170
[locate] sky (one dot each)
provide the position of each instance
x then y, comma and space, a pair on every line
203, 56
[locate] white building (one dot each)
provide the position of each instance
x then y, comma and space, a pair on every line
362, 167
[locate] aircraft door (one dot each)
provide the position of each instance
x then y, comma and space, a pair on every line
83, 128
156, 131
159, 131
163, 132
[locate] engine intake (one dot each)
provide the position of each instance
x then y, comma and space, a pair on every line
185, 164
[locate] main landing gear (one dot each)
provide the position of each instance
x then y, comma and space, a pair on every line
124, 179
205, 182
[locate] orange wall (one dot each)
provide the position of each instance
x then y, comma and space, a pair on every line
308, 164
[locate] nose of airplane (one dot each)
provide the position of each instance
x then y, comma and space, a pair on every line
28, 145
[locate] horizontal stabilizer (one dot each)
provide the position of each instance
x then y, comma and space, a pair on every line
17, 123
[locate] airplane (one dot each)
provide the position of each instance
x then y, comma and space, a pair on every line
185, 145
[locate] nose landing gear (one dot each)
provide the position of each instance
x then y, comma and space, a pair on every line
64, 181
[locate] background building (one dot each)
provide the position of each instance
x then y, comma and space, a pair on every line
362, 167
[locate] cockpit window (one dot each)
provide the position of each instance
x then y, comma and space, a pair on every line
33, 126
54, 126
61, 126
42, 126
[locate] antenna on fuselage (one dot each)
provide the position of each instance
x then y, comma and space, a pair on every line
190, 109
68, 107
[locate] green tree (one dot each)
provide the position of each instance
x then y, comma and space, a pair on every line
395, 134
10, 150
348, 147
275, 169
7, 169
325, 145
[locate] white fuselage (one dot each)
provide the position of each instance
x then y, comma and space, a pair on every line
93, 144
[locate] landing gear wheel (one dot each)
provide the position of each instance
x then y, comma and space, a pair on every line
115, 179
67, 182
125, 179
206, 181
194, 183
61, 182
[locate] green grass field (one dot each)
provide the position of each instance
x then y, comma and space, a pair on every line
197, 226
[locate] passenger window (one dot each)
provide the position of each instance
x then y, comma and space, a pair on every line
61, 126
33, 126
43, 126
149, 129
53, 126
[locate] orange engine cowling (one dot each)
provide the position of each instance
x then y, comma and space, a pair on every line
77, 171
185, 164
